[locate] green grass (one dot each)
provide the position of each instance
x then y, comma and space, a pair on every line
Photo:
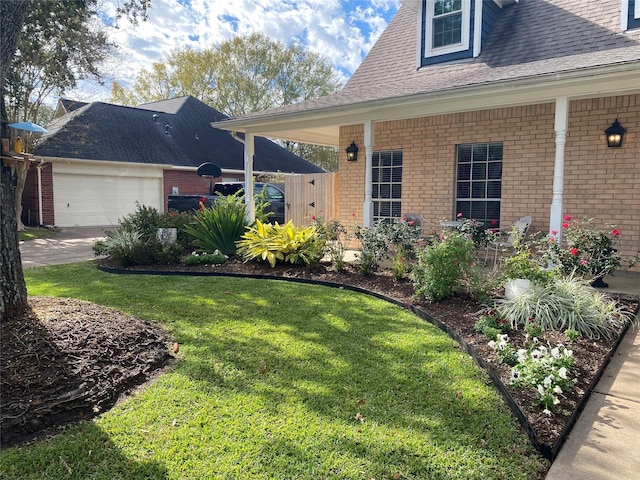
270, 378
35, 233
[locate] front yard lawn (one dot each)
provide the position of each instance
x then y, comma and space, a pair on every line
277, 380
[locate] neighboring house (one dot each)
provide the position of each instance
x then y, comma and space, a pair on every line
495, 109
99, 159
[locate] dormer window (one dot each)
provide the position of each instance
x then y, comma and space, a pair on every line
446, 26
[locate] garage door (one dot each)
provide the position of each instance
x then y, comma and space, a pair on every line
88, 199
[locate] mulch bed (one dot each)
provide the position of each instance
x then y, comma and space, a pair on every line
74, 359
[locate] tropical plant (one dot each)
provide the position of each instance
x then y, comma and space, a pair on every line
566, 303
285, 243
442, 268
220, 226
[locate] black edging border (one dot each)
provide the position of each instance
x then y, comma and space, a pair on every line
548, 451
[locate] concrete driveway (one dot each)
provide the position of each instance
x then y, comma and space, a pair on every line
67, 246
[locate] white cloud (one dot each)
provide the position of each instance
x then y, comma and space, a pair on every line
342, 30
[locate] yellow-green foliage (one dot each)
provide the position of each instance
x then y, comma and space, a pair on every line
288, 243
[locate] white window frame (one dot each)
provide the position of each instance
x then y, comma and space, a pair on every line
636, 10
429, 50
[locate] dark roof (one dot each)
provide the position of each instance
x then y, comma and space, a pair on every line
530, 39
170, 132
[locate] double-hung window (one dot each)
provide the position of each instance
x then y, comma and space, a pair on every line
479, 182
387, 185
446, 26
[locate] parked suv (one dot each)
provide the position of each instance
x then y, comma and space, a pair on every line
273, 195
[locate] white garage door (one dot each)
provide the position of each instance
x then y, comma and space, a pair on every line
89, 199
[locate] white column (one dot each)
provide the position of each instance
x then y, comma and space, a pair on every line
561, 122
249, 147
367, 208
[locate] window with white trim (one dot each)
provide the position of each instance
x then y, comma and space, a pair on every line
387, 184
479, 182
447, 26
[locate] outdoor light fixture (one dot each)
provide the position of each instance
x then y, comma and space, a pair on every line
614, 134
352, 152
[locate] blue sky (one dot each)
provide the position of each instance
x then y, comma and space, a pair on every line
342, 30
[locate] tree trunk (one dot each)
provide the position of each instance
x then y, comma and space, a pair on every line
13, 290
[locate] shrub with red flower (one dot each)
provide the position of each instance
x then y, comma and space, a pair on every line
586, 251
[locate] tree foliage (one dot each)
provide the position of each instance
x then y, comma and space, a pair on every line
58, 45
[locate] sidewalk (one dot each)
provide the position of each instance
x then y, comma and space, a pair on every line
604, 442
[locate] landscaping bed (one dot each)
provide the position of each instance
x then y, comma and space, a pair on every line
79, 378
458, 315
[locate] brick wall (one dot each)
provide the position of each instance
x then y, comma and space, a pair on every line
600, 182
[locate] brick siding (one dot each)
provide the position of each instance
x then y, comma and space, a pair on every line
600, 182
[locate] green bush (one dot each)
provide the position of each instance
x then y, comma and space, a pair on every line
492, 324
145, 220
566, 303
524, 265
442, 268
220, 226
333, 237
179, 221
215, 258
285, 243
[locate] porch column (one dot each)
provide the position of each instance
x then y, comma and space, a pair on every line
561, 121
367, 209
249, 148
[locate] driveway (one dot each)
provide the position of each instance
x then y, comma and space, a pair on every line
67, 246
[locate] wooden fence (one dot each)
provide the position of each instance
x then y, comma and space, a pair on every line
311, 194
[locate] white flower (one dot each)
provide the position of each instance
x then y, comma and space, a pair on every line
504, 338
540, 389
492, 344
556, 401
535, 340
535, 354
515, 375
555, 352
557, 389
548, 381
543, 350
546, 411
562, 373
568, 353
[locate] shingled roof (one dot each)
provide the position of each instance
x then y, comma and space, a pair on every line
531, 42
171, 132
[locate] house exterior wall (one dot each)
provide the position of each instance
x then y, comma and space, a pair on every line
600, 182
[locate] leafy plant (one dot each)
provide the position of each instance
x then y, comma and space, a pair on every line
215, 258
144, 220
441, 268
572, 335
220, 226
491, 323
334, 236
566, 303
524, 265
272, 243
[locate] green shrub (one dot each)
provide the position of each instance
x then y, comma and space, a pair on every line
145, 220
566, 303
126, 246
220, 226
524, 265
215, 258
442, 268
285, 243
180, 221
334, 238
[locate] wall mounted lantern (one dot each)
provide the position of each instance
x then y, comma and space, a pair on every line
614, 134
352, 152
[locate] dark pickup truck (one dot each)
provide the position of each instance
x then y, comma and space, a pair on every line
273, 195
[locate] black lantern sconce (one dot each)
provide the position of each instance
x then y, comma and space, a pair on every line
352, 152
614, 134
